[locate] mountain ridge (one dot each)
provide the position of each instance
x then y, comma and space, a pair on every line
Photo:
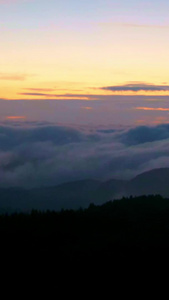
80, 193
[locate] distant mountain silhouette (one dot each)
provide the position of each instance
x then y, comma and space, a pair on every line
152, 182
76, 194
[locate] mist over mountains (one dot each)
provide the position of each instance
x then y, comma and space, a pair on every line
41, 154
82, 193
52, 166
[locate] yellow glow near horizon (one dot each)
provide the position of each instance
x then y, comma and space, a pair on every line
13, 92
79, 54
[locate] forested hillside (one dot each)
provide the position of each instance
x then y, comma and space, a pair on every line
123, 229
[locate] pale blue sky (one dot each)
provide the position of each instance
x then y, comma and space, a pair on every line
33, 12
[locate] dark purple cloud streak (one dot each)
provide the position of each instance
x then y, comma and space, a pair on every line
136, 87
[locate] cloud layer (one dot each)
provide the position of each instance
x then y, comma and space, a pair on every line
42, 155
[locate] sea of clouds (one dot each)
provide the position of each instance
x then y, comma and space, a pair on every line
44, 154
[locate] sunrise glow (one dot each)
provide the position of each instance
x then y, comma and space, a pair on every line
52, 50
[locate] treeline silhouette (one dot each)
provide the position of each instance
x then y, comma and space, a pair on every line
126, 229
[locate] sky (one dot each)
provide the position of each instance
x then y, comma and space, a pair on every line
72, 49
84, 89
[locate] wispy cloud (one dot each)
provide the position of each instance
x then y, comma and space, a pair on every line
16, 117
65, 96
40, 89
137, 87
135, 25
87, 107
37, 94
153, 108
145, 25
50, 89
14, 76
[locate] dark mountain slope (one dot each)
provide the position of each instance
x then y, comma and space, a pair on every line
152, 182
73, 195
